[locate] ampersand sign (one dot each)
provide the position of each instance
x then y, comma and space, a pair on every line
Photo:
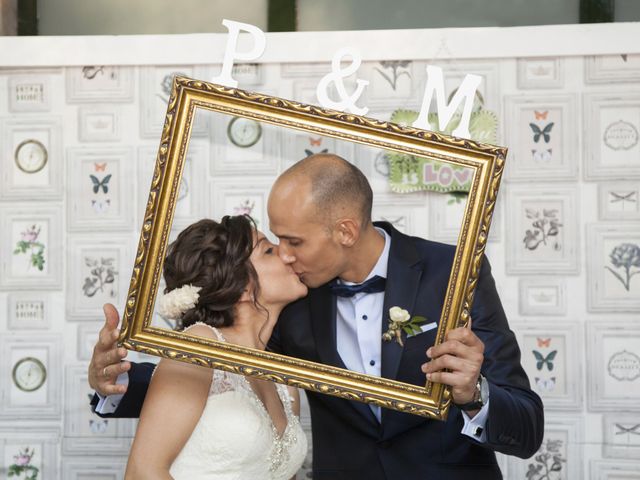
346, 102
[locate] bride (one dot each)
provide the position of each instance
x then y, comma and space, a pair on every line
225, 281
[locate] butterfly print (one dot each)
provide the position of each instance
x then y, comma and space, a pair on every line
541, 115
98, 426
99, 167
541, 156
543, 342
309, 152
544, 133
315, 141
541, 360
546, 384
97, 184
101, 206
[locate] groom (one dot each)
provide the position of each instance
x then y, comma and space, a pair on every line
320, 209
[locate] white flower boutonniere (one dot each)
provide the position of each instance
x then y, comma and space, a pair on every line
400, 319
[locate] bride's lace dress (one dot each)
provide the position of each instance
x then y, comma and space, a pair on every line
235, 437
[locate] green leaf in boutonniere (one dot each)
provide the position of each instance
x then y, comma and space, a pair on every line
400, 319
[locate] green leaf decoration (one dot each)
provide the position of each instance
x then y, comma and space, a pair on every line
404, 118
409, 173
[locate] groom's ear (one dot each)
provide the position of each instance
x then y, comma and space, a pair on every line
347, 232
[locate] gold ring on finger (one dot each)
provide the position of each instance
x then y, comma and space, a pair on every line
104, 372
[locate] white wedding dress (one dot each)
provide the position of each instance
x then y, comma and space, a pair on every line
235, 438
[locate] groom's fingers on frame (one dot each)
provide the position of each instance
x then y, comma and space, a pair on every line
110, 357
106, 339
111, 372
111, 316
112, 389
466, 336
109, 332
447, 378
458, 349
103, 379
446, 361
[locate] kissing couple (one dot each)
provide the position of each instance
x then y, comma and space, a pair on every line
320, 294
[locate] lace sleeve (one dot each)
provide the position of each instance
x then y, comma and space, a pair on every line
221, 381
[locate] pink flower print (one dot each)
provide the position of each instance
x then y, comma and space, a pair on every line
245, 208
24, 457
30, 235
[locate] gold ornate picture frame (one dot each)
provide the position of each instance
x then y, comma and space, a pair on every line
187, 97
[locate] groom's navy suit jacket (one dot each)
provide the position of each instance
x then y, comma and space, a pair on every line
348, 440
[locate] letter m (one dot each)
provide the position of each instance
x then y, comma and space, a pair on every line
466, 92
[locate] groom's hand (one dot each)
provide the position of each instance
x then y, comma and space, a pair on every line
105, 365
462, 354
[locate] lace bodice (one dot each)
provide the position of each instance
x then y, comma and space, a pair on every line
235, 438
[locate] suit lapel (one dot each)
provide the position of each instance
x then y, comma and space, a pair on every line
402, 287
323, 318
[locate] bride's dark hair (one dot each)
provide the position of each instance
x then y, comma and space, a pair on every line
215, 257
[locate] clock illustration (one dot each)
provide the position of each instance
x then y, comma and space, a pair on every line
244, 132
29, 374
31, 156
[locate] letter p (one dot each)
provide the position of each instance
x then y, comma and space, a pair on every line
231, 54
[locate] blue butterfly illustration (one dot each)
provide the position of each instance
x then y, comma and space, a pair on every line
104, 183
541, 361
537, 133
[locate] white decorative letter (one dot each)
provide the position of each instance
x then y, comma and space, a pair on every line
345, 103
466, 92
231, 54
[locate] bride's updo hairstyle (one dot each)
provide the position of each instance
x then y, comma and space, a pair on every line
215, 257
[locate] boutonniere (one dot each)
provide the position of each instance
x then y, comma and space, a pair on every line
401, 319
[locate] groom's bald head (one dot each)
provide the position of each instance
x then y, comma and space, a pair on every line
320, 209
334, 187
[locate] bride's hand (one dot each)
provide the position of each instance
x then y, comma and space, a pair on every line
106, 365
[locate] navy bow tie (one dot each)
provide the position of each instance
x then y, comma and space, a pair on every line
373, 285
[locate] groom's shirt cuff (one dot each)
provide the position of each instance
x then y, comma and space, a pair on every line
109, 404
475, 427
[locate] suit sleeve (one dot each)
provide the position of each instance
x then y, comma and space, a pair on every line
515, 424
131, 403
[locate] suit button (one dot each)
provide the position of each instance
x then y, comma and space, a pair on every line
385, 444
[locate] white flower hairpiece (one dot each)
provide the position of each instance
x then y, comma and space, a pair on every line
172, 305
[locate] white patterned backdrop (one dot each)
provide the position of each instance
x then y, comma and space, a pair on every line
77, 150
